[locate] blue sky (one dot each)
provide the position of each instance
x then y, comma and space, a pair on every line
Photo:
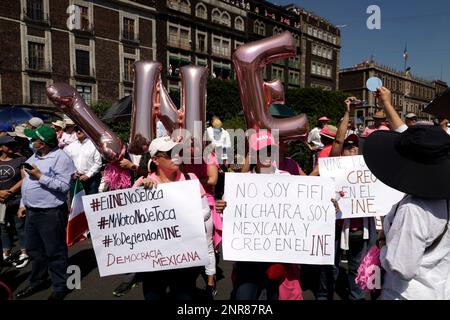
423, 24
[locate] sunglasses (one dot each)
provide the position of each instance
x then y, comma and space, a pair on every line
169, 154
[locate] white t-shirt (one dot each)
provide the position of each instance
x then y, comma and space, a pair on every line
314, 137
412, 273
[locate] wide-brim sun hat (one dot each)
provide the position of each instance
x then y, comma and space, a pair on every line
379, 115
329, 131
416, 162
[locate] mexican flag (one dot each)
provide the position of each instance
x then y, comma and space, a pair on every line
77, 224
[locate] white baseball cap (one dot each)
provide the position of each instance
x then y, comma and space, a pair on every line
161, 144
69, 122
36, 122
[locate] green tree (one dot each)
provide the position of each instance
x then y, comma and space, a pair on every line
121, 128
223, 99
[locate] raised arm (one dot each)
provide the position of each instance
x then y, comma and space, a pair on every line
385, 100
338, 144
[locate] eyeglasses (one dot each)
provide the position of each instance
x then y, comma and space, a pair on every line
169, 154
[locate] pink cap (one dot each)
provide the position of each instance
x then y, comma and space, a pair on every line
324, 119
261, 140
329, 131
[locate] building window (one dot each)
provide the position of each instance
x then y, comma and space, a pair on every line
85, 24
310, 31
200, 11
128, 69
35, 10
185, 6
297, 40
201, 62
176, 61
128, 29
239, 24
277, 31
82, 62
259, 28
221, 70
215, 17
86, 93
226, 19
180, 5
127, 92
315, 32
36, 56
294, 62
294, 77
237, 44
37, 92
179, 37
329, 71
313, 68
221, 47
201, 42
278, 73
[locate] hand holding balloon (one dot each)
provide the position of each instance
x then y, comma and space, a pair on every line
69, 101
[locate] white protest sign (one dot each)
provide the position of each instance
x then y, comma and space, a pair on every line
364, 195
139, 230
278, 218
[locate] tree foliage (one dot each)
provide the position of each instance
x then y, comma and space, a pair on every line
121, 128
224, 101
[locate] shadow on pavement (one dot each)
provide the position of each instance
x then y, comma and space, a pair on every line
85, 259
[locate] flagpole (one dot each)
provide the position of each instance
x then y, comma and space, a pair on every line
405, 56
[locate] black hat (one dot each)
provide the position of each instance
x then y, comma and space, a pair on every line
440, 105
416, 162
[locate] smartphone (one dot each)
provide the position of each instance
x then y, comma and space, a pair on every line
27, 166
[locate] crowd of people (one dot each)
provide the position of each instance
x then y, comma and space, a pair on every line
40, 164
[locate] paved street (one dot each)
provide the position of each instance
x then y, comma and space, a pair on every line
95, 288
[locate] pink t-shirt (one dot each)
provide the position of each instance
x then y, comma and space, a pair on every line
368, 130
325, 152
201, 171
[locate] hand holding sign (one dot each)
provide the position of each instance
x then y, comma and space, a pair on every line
373, 83
362, 194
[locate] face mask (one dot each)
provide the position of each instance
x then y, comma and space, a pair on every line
176, 160
36, 147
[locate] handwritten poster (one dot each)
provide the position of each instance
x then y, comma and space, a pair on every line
278, 218
139, 230
363, 195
